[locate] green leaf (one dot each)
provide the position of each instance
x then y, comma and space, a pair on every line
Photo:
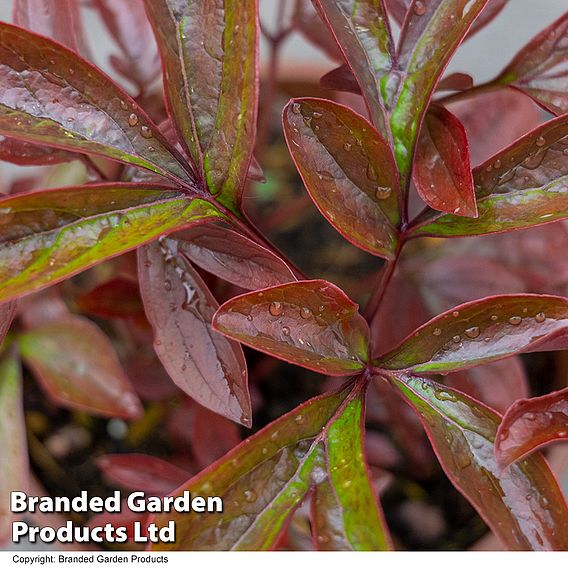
48, 236
363, 35
523, 505
209, 53
264, 479
522, 186
310, 323
431, 33
49, 95
78, 367
13, 444
480, 332
349, 171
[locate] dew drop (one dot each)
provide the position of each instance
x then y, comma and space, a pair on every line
250, 495
299, 419
296, 108
494, 317
276, 309
133, 119
419, 8
146, 132
540, 317
371, 174
515, 320
123, 105
456, 314
168, 285
540, 141
323, 539
249, 318
472, 332
305, 313
530, 416
497, 164
317, 115
456, 339
444, 395
286, 331
437, 332
264, 451
347, 146
383, 192
346, 484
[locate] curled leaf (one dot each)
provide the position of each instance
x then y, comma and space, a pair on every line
309, 323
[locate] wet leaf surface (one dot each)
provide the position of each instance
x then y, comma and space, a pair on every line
25, 154
7, 312
233, 257
523, 504
309, 323
49, 95
51, 235
349, 171
13, 443
531, 424
522, 186
480, 332
210, 66
204, 364
442, 168
264, 479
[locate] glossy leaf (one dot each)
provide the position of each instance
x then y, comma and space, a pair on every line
57, 19
363, 35
141, 472
25, 154
127, 22
309, 323
531, 424
78, 367
201, 362
115, 298
349, 171
456, 82
481, 331
209, 53
13, 444
7, 312
523, 505
429, 37
233, 257
341, 79
442, 168
264, 479
522, 186
540, 68
55, 234
49, 95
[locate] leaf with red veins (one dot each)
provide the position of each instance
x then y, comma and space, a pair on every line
497, 384
523, 504
348, 170
204, 364
480, 332
362, 32
26, 154
265, 479
530, 424
50, 96
210, 58
494, 120
7, 312
78, 367
524, 185
430, 35
13, 444
442, 168
58, 19
540, 68
233, 257
54, 234
310, 323
140, 472
126, 21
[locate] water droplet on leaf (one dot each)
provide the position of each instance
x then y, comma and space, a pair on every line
276, 309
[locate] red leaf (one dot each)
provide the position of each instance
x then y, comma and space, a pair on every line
58, 19
141, 472
178, 304
310, 323
49, 95
442, 169
349, 171
480, 332
233, 257
531, 424
456, 82
540, 70
77, 366
341, 79
7, 312
523, 505
26, 154
127, 22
